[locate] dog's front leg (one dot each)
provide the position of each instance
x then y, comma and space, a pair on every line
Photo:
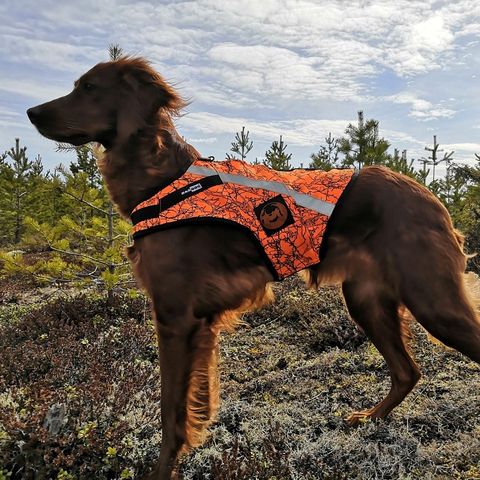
174, 339
187, 351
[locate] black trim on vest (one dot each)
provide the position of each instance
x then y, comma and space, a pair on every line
145, 213
153, 211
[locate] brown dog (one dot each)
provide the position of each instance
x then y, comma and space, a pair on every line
391, 245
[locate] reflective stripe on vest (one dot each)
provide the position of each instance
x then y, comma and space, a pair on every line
286, 213
306, 201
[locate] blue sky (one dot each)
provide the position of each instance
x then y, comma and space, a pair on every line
297, 68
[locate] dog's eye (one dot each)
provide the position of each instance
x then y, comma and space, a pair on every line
88, 86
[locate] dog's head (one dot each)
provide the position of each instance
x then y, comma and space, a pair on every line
108, 104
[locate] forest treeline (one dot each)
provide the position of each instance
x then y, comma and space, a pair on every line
58, 226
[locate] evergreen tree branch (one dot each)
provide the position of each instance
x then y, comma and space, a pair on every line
91, 205
88, 257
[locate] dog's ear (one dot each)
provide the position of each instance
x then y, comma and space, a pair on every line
145, 93
153, 92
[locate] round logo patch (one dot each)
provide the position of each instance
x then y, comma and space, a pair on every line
273, 215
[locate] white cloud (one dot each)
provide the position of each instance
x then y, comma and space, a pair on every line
206, 140
432, 113
8, 124
51, 54
399, 137
274, 73
295, 47
35, 90
431, 35
303, 132
463, 152
10, 119
462, 147
421, 109
7, 113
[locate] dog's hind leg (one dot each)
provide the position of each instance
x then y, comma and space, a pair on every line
376, 309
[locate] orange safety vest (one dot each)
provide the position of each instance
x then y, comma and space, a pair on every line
286, 211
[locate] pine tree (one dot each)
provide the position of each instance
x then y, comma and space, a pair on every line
400, 163
115, 51
425, 172
465, 209
434, 160
38, 202
327, 156
26, 190
362, 145
15, 185
85, 162
54, 197
451, 188
37, 167
242, 145
84, 246
276, 156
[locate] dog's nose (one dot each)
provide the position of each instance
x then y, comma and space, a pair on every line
33, 113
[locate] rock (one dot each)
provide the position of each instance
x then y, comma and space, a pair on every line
56, 418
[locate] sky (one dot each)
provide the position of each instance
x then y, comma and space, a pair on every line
295, 68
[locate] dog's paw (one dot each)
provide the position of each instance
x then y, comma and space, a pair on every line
363, 416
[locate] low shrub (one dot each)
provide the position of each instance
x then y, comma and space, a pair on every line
81, 391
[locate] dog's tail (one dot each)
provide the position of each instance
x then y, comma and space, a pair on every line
472, 287
471, 284
470, 280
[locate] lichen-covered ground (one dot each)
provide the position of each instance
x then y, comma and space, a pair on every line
290, 375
